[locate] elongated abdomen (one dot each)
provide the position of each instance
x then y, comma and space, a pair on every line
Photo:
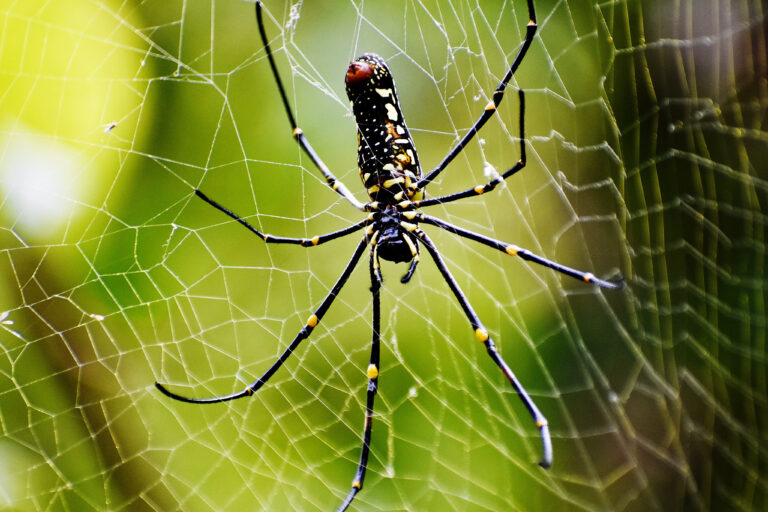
386, 155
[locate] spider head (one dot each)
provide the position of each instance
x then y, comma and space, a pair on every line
365, 74
392, 242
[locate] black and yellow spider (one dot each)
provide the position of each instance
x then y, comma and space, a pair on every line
390, 170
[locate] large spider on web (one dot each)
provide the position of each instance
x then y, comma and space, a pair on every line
390, 171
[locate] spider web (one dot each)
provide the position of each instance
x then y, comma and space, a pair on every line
647, 143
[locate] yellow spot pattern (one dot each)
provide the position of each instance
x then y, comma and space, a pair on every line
373, 372
411, 247
393, 181
312, 321
481, 334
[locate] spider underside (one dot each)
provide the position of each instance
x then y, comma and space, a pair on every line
391, 174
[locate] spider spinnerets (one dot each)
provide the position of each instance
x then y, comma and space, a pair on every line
390, 171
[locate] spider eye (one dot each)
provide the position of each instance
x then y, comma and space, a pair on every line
358, 72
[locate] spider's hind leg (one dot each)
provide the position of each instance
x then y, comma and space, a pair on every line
336, 185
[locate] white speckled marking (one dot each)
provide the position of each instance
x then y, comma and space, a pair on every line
391, 111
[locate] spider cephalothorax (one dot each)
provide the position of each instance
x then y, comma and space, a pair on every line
395, 242
391, 236
390, 170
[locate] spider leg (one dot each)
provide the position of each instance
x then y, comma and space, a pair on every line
373, 379
335, 184
413, 246
375, 258
272, 239
302, 335
490, 109
482, 335
407, 277
482, 189
525, 254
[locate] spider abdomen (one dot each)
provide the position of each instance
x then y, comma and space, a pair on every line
386, 156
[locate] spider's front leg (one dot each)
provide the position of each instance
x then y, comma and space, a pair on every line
303, 334
373, 382
481, 333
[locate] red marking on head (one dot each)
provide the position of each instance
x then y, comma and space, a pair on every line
359, 71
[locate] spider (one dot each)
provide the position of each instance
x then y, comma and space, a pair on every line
390, 171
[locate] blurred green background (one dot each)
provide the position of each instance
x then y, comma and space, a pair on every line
647, 142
